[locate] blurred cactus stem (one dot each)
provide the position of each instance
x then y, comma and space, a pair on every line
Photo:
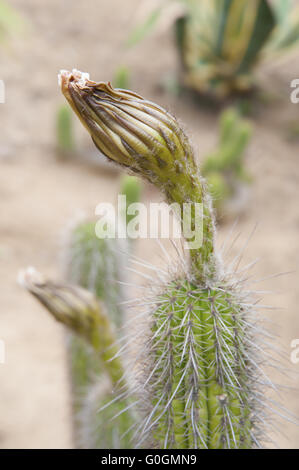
122, 77
148, 141
224, 168
11, 22
98, 264
130, 187
220, 43
82, 313
64, 132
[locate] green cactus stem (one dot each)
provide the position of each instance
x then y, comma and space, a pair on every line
200, 382
64, 132
224, 168
97, 264
220, 43
131, 187
94, 264
122, 77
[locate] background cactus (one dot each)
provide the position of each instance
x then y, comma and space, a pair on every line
83, 314
10, 21
95, 264
201, 383
220, 42
65, 143
224, 168
131, 187
122, 77
201, 387
98, 264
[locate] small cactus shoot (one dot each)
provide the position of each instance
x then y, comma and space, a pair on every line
64, 132
200, 387
224, 168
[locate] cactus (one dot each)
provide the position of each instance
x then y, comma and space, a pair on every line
98, 264
131, 188
82, 313
64, 132
286, 33
220, 42
224, 167
201, 384
122, 77
94, 269
85, 316
11, 21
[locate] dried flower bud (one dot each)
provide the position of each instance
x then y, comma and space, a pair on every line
79, 310
71, 305
143, 137
133, 132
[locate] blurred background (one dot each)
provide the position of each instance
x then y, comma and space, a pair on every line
49, 175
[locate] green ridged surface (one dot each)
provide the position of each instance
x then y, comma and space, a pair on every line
200, 385
95, 264
199, 390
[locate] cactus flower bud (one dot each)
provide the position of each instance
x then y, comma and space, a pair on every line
81, 312
69, 304
130, 130
143, 137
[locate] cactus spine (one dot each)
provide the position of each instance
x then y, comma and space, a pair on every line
64, 132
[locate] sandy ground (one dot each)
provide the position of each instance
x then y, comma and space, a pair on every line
39, 196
